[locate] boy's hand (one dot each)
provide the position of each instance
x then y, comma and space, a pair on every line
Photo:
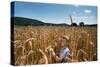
57, 58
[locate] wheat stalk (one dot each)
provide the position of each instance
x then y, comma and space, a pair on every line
82, 42
30, 55
44, 56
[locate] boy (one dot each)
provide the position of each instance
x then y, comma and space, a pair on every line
64, 52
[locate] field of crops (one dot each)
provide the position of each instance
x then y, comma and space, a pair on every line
31, 43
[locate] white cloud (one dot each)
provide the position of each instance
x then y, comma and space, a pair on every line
87, 11
76, 5
83, 17
80, 17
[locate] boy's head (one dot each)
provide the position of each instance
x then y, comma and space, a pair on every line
64, 40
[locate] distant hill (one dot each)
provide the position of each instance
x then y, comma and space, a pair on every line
25, 21
21, 21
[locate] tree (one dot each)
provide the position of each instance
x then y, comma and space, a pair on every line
81, 23
73, 24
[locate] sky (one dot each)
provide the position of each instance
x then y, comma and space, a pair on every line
55, 13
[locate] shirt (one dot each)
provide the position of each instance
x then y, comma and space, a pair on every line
64, 52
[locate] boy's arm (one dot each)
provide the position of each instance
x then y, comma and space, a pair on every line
68, 55
55, 56
52, 52
68, 59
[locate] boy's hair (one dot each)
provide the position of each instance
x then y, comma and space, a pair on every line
67, 38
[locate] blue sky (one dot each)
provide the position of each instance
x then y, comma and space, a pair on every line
55, 13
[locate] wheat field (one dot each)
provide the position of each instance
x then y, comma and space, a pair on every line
30, 43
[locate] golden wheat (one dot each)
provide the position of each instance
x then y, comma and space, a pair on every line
34, 45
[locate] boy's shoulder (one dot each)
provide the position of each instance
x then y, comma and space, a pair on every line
66, 49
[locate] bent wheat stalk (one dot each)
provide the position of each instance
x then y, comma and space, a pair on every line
82, 51
30, 56
30, 42
51, 52
16, 43
30, 39
44, 56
